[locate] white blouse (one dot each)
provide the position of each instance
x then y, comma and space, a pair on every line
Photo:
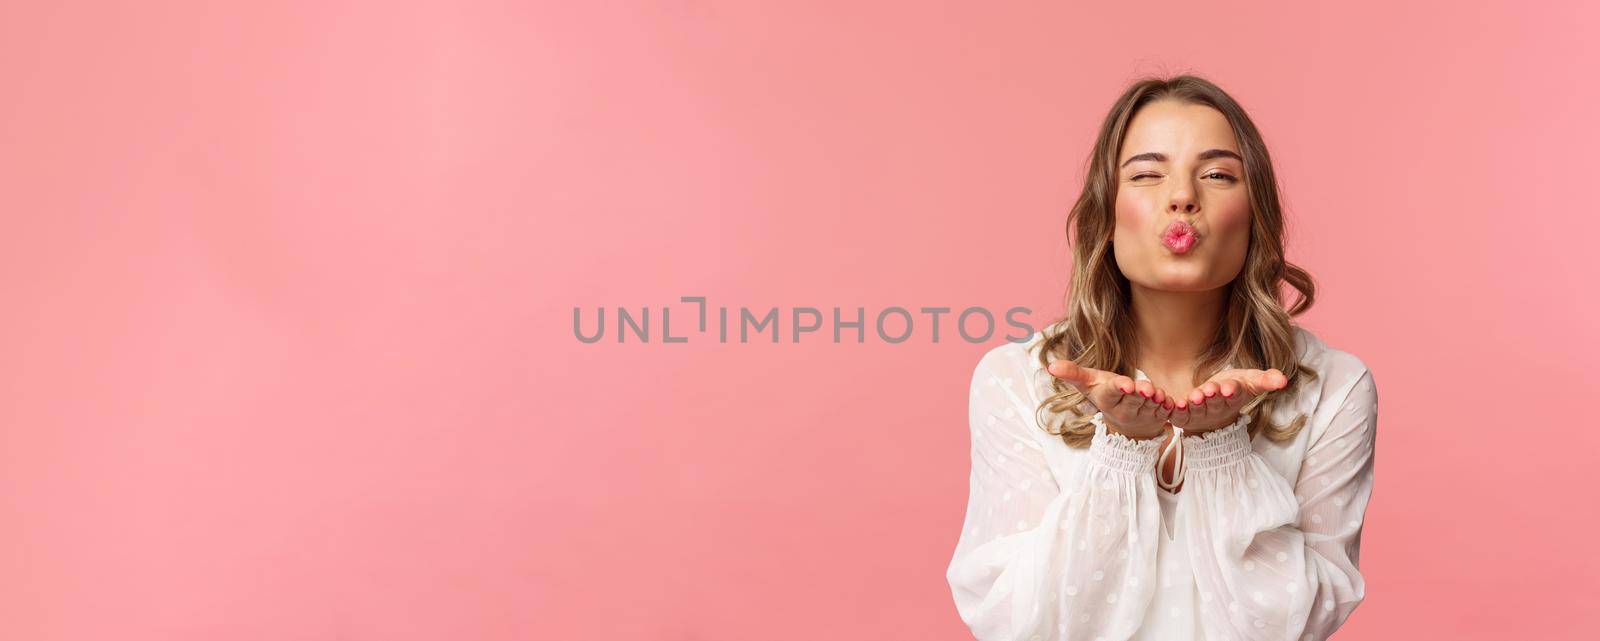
1262, 542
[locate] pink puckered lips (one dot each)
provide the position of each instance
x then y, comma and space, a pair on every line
1180, 237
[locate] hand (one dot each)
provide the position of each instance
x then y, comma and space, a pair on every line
1136, 409
1215, 403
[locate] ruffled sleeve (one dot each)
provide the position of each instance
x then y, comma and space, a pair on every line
1042, 560
1275, 560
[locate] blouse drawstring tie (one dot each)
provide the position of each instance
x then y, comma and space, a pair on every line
1173, 448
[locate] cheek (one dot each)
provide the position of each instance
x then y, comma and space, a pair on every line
1232, 218
1234, 211
1133, 214
1231, 225
1132, 225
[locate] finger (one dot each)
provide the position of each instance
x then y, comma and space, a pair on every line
1271, 380
1146, 392
1124, 384
1225, 404
1239, 398
1136, 399
1071, 372
1214, 399
1145, 403
1122, 394
1200, 407
1180, 413
1257, 382
1157, 409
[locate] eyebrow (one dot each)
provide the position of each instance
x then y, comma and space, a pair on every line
1161, 157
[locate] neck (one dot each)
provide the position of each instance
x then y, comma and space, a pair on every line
1175, 328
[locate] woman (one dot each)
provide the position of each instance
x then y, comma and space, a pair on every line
1218, 493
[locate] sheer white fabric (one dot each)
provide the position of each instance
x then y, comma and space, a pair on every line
1262, 541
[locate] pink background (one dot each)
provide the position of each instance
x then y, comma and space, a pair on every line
288, 303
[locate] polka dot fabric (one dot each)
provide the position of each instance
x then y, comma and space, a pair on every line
1063, 543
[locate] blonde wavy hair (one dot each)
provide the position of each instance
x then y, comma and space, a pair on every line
1097, 329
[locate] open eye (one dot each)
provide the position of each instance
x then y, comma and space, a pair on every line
1223, 176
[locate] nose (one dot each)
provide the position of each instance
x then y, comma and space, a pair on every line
1183, 199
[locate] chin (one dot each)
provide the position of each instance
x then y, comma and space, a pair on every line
1186, 288
1183, 283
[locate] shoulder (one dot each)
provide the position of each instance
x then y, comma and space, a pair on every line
1344, 379
1013, 365
1012, 358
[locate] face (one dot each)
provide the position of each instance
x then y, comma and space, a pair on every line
1182, 207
